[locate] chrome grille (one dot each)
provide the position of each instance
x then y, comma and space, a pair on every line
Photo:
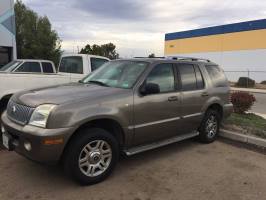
19, 113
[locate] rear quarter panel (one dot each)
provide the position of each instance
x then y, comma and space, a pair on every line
217, 95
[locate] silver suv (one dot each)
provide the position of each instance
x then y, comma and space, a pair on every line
128, 106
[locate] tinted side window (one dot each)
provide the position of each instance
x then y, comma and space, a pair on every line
217, 76
47, 67
96, 63
162, 75
188, 77
71, 64
33, 67
200, 81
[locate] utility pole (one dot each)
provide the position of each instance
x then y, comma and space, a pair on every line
248, 79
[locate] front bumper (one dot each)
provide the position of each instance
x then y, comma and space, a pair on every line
41, 150
227, 110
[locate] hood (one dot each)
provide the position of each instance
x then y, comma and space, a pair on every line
67, 93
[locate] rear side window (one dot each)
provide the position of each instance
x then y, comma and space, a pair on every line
47, 67
217, 76
71, 64
96, 63
199, 78
31, 67
188, 77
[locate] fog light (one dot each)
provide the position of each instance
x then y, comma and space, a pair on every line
27, 145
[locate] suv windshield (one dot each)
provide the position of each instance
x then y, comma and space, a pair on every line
120, 74
10, 66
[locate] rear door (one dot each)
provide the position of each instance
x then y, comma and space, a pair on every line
193, 95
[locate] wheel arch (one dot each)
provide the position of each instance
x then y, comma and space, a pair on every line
4, 101
110, 125
217, 107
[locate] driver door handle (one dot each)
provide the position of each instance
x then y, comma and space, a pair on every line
204, 94
172, 98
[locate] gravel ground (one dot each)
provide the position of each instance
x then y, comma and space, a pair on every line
185, 170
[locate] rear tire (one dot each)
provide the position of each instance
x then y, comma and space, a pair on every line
91, 156
210, 126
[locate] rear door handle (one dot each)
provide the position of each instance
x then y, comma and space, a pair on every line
173, 98
204, 94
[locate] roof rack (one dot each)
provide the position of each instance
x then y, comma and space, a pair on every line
187, 58
150, 57
180, 58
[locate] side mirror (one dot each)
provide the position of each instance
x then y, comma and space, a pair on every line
150, 88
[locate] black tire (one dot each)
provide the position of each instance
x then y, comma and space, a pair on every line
1, 142
1, 112
74, 151
3, 105
206, 136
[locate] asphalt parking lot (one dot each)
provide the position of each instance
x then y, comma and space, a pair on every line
186, 170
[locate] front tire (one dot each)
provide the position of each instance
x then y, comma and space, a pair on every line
91, 156
1, 142
210, 126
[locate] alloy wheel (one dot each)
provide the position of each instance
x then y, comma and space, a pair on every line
95, 158
211, 126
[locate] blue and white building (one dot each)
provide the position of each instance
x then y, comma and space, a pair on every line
8, 50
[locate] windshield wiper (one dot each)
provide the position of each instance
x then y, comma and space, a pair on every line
99, 83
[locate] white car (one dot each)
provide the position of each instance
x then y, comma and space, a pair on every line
29, 66
26, 74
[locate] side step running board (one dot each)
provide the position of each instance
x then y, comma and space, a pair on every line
154, 145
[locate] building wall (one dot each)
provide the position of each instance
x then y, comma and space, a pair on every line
239, 46
7, 25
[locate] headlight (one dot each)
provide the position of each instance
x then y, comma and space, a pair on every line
40, 115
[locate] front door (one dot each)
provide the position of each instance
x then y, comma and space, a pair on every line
157, 116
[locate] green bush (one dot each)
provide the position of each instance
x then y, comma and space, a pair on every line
242, 101
245, 82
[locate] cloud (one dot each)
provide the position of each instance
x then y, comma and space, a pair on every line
114, 10
138, 27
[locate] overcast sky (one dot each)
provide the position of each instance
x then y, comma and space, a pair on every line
137, 27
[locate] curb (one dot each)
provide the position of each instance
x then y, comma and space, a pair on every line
261, 115
250, 140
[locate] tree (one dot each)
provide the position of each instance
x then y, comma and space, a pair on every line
106, 50
35, 37
152, 55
